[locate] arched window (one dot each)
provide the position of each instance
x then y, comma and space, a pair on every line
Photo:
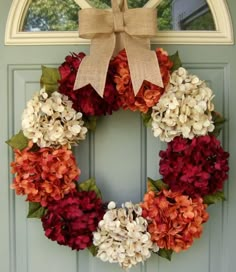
179, 21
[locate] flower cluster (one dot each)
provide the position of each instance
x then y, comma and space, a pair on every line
72, 220
195, 167
50, 121
184, 109
149, 94
122, 236
44, 175
174, 220
86, 100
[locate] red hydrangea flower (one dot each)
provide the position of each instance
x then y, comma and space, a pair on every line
86, 100
149, 94
45, 174
72, 220
174, 220
195, 167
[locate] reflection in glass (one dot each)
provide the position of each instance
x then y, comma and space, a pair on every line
61, 15
51, 15
107, 3
185, 15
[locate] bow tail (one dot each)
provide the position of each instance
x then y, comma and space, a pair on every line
93, 68
143, 63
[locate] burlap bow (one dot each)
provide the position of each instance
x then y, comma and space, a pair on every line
110, 31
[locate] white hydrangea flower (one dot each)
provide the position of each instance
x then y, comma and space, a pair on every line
185, 109
122, 236
50, 121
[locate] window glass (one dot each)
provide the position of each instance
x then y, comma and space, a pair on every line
61, 15
107, 3
51, 15
185, 15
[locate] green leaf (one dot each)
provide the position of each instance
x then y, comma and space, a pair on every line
90, 185
176, 60
165, 253
90, 122
156, 185
18, 141
213, 198
49, 79
93, 250
218, 121
35, 210
147, 117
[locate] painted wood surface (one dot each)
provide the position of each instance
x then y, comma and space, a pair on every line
120, 155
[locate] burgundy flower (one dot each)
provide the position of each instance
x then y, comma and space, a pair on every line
71, 221
195, 167
86, 100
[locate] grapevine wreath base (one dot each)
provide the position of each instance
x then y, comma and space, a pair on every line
194, 166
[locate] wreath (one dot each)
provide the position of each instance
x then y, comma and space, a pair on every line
194, 166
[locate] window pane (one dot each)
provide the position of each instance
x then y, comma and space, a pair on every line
62, 15
185, 15
51, 15
107, 3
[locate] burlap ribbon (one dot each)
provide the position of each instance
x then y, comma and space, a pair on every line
110, 31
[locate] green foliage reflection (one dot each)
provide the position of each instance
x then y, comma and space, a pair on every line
62, 15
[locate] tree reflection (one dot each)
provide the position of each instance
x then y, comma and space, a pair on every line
61, 15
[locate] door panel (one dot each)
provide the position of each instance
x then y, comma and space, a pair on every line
121, 154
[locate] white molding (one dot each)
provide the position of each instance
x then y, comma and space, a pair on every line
219, 9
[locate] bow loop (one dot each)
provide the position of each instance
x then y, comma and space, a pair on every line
111, 31
94, 22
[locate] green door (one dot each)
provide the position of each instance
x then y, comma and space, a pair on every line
121, 154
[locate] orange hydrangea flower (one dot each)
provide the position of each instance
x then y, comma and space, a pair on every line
149, 94
174, 220
44, 175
